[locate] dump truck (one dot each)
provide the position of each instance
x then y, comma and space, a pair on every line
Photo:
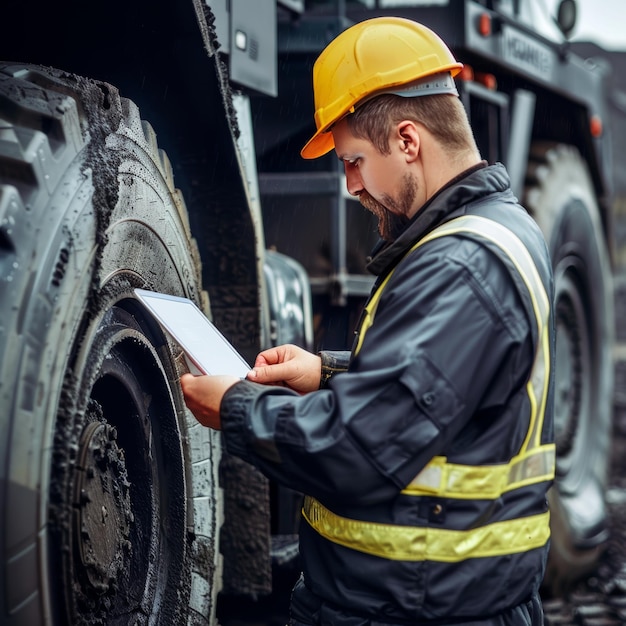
155, 145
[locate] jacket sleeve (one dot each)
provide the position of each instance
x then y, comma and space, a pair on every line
333, 362
450, 336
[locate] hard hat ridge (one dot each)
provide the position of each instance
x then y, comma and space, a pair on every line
371, 57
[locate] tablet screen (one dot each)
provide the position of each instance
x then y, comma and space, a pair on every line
202, 342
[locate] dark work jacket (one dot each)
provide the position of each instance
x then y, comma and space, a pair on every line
439, 385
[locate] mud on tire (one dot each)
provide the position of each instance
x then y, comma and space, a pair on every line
108, 500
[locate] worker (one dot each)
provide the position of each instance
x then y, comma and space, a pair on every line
425, 453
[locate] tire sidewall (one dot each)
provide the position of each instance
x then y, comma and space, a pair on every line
87, 257
565, 207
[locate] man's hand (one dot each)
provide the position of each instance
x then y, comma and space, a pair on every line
290, 366
203, 396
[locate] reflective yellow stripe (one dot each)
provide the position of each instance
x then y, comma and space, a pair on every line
410, 543
513, 247
488, 482
370, 308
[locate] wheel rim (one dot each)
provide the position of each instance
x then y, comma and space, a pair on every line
127, 486
572, 375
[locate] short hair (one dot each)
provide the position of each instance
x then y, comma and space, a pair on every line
443, 115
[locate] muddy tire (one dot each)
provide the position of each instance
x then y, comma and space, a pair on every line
109, 499
561, 197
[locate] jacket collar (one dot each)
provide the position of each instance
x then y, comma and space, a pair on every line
472, 184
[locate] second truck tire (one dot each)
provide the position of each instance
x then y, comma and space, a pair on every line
561, 197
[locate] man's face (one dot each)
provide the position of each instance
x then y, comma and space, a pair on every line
382, 182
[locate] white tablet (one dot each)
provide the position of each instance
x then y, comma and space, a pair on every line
207, 351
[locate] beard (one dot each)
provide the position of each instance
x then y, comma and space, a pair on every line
392, 213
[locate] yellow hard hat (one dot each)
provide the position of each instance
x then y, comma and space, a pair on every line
370, 57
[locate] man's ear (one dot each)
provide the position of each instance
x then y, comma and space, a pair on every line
408, 139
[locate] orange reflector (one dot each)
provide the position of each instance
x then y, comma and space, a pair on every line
595, 126
487, 80
484, 24
467, 73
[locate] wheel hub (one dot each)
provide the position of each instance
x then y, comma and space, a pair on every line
102, 508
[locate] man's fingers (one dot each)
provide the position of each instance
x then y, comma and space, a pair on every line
186, 379
273, 356
270, 373
186, 382
203, 396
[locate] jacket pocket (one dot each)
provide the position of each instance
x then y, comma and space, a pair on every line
405, 425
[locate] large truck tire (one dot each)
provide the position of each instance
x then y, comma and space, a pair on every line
560, 195
109, 500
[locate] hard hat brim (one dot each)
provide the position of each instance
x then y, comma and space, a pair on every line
320, 144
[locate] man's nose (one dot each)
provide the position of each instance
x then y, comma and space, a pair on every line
354, 184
